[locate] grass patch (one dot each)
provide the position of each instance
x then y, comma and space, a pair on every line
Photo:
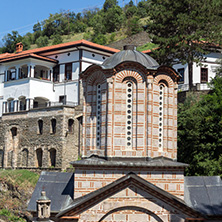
10, 216
20, 177
147, 46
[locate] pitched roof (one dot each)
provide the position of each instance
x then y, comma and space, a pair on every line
62, 46
58, 187
28, 55
89, 200
96, 161
203, 193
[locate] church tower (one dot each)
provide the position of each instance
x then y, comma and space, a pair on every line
128, 170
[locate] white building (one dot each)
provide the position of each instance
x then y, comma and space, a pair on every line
202, 73
47, 76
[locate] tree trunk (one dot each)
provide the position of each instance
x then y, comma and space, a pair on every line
190, 75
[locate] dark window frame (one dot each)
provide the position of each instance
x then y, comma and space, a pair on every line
68, 71
203, 75
181, 71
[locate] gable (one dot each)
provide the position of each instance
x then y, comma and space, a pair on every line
130, 190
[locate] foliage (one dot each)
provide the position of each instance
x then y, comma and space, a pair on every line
42, 41
133, 26
56, 39
200, 132
10, 216
179, 28
10, 41
99, 39
147, 46
20, 177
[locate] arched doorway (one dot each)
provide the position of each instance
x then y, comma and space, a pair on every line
131, 213
39, 157
52, 157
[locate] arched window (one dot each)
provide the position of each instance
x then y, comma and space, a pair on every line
10, 105
98, 116
14, 131
129, 113
52, 155
70, 125
39, 157
53, 126
161, 113
40, 126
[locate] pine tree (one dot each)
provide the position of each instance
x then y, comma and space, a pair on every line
184, 29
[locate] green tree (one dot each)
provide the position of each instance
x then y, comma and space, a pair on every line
42, 41
179, 28
200, 131
133, 26
108, 4
10, 41
57, 39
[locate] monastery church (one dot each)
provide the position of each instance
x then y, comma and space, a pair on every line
128, 170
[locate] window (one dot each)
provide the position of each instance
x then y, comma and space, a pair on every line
161, 96
40, 126
53, 126
62, 99
39, 157
129, 110
52, 154
98, 116
14, 131
56, 74
204, 75
68, 71
11, 74
181, 71
11, 106
70, 125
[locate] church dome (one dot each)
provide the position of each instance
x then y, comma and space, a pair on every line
129, 54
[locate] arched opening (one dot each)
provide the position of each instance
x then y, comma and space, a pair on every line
42, 72
22, 103
25, 155
10, 105
11, 74
53, 126
1, 158
40, 102
52, 156
70, 125
127, 210
14, 131
39, 157
23, 72
40, 126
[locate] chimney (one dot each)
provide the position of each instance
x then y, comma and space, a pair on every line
43, 207
19, 47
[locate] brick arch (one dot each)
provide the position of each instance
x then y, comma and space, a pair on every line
132, 208
96, 78
164, 79
129, 73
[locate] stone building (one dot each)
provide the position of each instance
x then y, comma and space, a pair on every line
128, 170
40, 138
40, 116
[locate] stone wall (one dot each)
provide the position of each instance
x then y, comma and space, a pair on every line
40, 138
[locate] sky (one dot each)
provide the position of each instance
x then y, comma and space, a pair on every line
21, 15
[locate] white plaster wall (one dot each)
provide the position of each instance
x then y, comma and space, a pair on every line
64, 58
41, 88
17, 88
75, 71
2, 69
97, 58
69, 88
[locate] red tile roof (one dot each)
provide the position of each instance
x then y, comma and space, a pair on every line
58, 47
22, 56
